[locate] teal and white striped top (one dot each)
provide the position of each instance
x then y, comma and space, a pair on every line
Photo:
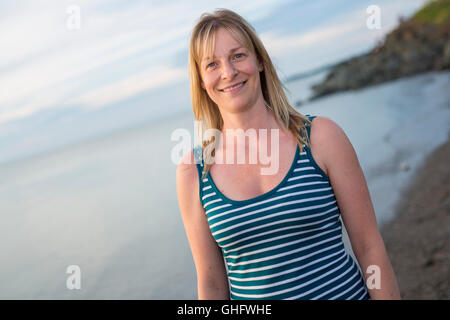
286, 243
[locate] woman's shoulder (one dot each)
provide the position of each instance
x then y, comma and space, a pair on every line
186, 173
322, 127
187, 168
187, 182
327, 141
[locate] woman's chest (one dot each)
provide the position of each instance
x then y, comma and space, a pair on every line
245, 181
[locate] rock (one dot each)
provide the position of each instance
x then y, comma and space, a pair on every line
413, 47
445, 61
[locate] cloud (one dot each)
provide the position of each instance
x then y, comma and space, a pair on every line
279, 45
49, 66
53, 79
340, 37
31, 86
130, 86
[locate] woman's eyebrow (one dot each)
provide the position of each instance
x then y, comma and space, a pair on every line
234, 49
231, 51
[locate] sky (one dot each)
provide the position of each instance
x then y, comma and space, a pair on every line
70, 70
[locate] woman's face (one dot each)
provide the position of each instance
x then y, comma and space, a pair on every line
231, 77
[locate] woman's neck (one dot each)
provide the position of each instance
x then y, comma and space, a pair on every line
250, 122
256, 117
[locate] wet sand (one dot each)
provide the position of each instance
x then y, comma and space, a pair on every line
418, 239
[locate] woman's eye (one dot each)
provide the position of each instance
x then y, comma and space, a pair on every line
211, 65
238, 55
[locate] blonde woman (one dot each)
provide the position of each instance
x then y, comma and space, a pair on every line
278, 235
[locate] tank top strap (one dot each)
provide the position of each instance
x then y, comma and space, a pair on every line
308, 125
198, 160
198, 155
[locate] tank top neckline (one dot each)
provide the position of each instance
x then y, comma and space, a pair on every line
264, 195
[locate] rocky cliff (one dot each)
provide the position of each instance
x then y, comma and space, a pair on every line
417, 45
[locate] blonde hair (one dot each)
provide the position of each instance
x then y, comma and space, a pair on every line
205, 110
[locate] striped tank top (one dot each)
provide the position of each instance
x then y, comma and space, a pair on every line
286, 243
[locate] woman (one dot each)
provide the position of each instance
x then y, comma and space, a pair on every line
271, 236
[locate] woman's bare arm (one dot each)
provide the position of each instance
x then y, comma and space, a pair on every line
330, 144
212, 280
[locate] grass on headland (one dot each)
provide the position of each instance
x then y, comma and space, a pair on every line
435, 11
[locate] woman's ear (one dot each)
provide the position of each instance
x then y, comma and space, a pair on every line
260, 67
202, 84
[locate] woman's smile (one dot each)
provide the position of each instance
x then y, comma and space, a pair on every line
234, 88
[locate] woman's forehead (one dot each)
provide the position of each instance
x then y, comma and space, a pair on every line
224, 41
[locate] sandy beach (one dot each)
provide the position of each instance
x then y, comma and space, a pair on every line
418, 239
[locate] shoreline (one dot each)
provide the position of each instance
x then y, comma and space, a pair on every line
417, 240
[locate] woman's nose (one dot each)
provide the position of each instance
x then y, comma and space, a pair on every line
228, 70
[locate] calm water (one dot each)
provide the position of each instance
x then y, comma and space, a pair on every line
109, 205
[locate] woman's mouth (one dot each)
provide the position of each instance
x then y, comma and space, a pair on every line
234, 88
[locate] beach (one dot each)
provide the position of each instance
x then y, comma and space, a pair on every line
418, 238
